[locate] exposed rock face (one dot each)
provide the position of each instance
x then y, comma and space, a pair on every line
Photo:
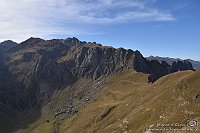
36, 68
181, 65
48, 65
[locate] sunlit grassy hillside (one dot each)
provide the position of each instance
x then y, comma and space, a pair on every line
129, 104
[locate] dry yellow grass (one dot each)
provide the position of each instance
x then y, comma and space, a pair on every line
129, 104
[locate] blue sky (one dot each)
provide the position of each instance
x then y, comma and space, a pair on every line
154, 27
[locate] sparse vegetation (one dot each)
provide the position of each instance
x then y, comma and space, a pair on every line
128, 103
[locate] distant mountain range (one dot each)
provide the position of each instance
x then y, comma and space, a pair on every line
195, 64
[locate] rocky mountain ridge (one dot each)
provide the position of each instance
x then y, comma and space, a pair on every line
58, 63
195, 64
36, 70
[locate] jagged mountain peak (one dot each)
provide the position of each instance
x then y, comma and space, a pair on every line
91, 59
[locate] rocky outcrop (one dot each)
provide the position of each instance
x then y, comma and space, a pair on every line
195, 64
181, 66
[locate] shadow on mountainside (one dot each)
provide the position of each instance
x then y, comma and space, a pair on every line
14, 101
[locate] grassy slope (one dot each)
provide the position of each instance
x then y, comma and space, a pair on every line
129, 103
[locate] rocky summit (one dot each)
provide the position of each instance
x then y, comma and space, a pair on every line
53, 79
